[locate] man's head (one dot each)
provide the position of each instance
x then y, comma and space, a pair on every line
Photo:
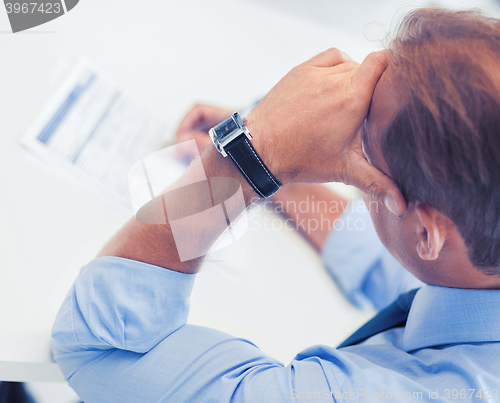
434, 127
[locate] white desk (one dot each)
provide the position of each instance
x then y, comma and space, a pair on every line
173, 53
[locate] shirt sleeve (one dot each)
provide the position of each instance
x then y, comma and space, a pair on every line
366, 272
121, 336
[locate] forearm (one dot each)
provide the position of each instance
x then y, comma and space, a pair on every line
155, 243
123, 319
313, 208
279, 124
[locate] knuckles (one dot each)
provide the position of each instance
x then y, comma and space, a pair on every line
299, 72
351, 65
334, 52
373, 189
337, 54
338, 90
375, 58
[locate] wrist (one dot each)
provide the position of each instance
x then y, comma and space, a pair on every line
215, 165
233, 139
264, 142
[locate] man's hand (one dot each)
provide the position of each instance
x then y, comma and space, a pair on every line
196, 124
308, 127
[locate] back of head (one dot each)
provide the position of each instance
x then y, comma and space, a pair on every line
443, 146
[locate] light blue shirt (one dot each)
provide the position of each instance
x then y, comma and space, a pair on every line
121, 336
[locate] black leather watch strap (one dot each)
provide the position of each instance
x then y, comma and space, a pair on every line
252, 167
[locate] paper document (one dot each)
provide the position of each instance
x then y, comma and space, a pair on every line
95, 130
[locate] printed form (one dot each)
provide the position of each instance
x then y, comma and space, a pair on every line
95, 130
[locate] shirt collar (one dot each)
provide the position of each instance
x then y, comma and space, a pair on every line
442, 315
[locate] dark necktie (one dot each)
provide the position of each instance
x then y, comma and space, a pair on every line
394, 315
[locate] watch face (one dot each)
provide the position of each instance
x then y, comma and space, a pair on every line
225, 129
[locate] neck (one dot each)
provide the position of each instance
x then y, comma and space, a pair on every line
457, 275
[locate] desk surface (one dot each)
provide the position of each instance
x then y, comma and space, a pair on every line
170, 53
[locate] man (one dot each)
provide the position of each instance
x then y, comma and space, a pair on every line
120, 335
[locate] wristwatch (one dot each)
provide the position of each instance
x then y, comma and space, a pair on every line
231, 137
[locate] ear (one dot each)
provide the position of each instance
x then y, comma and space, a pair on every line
431, 232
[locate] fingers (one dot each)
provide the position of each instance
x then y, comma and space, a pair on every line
329, 58
192, 118
202, 116
370, 70
343, 67
378, 185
